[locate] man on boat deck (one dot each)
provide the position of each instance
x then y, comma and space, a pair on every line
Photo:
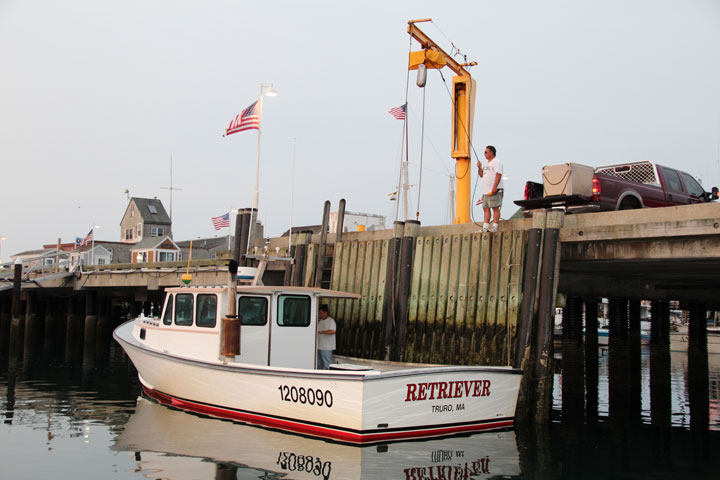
326, 338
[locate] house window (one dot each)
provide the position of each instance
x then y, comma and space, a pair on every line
129, 234
152, 209
206, 315
156, 231
139, 231
166, 256
293, 311
101, 261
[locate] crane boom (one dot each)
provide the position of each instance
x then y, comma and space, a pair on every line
463, 107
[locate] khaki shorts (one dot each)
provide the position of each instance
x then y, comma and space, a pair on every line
493, 201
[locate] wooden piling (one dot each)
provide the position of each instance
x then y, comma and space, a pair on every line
572, 322
660, 323
618, 317
529, 289
390, 294
16, 322
340, 220
697, 330
320, 262
543, 370
410, 232
5, 309
30, 334
91, 328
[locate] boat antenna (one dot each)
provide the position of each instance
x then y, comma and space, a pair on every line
292, 195
171, 188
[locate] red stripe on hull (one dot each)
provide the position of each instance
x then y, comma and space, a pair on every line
320, 431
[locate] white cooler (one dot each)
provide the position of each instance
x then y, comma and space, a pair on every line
567, 179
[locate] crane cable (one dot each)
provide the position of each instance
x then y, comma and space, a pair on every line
472, 147
422, 149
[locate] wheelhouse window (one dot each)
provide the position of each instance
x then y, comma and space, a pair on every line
206, 315
184, 309
293, 311
253, 310
167, 318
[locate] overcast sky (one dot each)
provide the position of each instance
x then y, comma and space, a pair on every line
97, 96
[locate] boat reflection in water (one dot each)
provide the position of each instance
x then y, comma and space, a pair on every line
173, 444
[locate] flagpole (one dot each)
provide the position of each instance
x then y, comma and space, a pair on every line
229, 225
92, 248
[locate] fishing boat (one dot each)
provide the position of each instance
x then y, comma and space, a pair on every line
159, 439
265, 372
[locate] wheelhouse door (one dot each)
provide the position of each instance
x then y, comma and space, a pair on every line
293, 332
254, 311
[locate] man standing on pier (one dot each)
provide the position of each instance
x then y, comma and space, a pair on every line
326, 338
492, 185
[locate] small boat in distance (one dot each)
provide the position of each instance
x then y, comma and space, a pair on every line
273, 381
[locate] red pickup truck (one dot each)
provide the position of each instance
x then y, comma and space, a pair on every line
622, 187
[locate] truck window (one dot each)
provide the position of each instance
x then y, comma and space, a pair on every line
693, 187
673, 181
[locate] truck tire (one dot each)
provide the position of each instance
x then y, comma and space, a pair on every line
629, 203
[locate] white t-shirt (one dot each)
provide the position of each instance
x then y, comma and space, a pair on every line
490, 169
326, 342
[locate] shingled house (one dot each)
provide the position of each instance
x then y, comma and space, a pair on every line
144, 218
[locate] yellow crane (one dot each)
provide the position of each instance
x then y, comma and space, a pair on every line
463, 108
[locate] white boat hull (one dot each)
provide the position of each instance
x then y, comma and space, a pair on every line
351, 406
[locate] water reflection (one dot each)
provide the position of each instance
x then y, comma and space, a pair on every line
159, 434
65, 420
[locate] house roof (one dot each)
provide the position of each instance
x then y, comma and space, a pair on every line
151, 242
208, 243
145, 207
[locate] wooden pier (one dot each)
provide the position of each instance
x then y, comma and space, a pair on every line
436, 294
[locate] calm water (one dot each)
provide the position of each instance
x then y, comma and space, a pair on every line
60, 420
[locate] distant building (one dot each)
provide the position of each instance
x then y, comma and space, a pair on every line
105, 253
152, 250
354, 222
144, 218
39, 259
204, 248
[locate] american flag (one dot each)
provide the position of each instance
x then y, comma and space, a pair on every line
88, 238
249, 119
223, 221
398, 112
